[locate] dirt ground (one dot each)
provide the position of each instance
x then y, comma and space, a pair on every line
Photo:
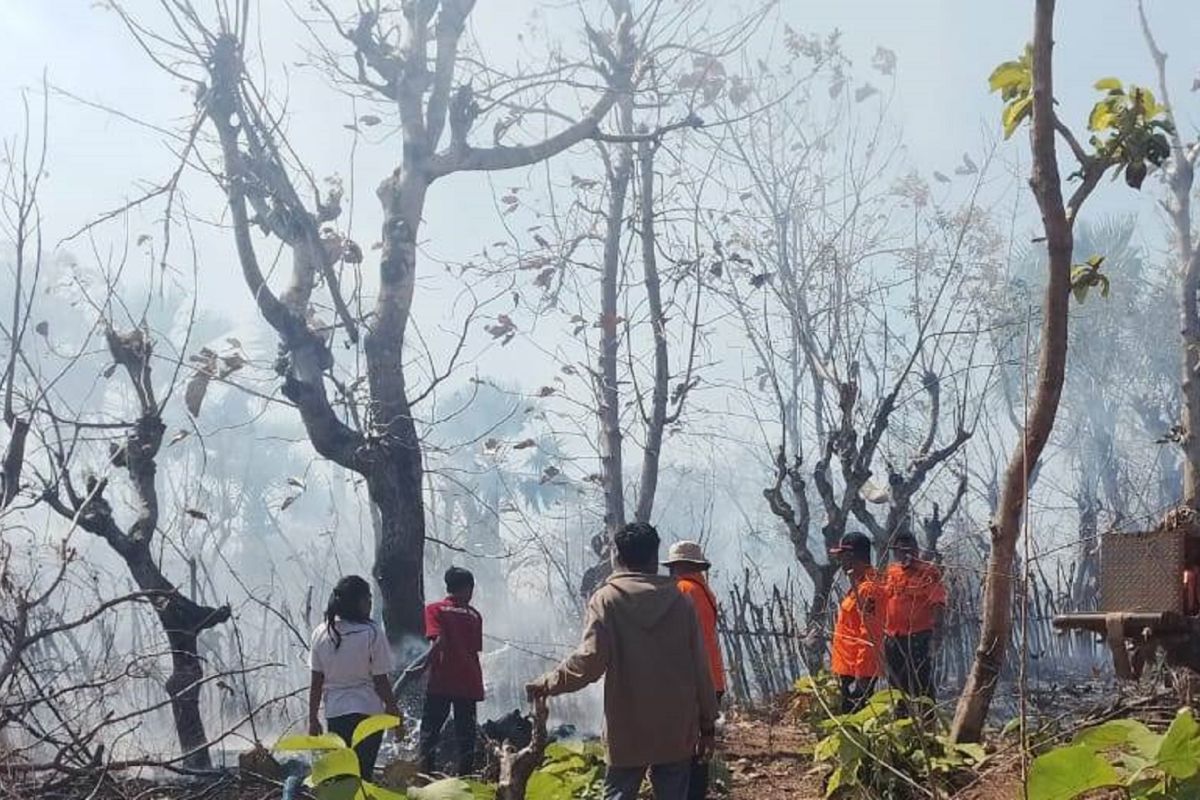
771, 760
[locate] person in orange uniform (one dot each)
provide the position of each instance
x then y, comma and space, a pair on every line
858, 633
689, 567
916, 602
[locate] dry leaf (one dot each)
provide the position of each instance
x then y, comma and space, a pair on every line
193, 394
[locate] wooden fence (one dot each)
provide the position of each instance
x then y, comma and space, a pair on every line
764, 636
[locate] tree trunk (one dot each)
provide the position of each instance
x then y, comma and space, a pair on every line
1190, 317
395, 489
1087, 573
183, 686
817, 620
395, 472
608, 391
657, 421
996, 626
1181, 175
181, 621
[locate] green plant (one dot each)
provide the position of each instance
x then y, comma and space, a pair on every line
336, 775
877, 752
1014, 81
813, 697
569, 771
1123, 754
1086, 275
1129, 126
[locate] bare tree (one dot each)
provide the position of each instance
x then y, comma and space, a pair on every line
20, 224
1180, 172
800, 273
410, 60
182, 619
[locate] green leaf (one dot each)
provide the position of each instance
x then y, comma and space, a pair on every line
335, 764
448, 789
842, 776
1119, 733
301, 742
1104, 84
1080, 290
1102, 117
972, 751
1015, 113
546, 787
1179, 752
374, 792
1067, 772
1009, 75
373, 725
340, 789
1014, 724
828, 748
1102, 280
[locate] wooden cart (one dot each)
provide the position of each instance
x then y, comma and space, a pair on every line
1148, 596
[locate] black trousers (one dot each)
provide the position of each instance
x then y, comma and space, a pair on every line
698, 782
433, 719
910, 664
367, 750
855, 692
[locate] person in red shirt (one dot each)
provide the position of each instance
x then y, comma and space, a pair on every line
455, 675
858, 632
916, 601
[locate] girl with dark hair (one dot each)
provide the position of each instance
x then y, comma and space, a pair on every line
351, 663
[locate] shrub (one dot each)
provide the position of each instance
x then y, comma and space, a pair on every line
1123, 754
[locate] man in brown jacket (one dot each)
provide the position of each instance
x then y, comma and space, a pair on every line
642, 635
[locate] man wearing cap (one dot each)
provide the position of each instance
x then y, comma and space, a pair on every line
916, 600
687, 564
858, 633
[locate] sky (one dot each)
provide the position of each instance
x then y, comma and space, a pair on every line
945, 48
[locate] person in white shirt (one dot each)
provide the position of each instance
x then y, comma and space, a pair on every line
351, 663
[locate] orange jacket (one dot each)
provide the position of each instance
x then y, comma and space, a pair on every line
913, 597
695, 589
858, 634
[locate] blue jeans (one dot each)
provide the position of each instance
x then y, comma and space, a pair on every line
669, 781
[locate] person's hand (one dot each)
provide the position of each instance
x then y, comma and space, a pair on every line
314, 728
394, 710
707, 747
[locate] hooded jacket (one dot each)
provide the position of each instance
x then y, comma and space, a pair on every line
641, 634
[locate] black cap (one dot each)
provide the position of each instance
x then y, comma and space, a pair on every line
853, 542
903, 539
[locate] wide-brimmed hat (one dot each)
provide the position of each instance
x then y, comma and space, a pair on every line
853, 542
686, 553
